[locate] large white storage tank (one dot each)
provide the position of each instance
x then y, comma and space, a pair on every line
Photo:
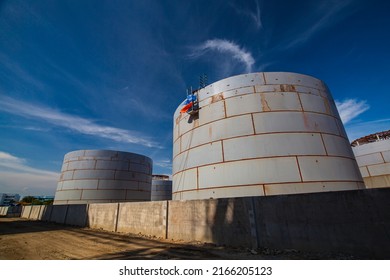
262, 134
99, 176
372, 153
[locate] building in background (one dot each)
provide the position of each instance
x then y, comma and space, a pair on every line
373, 157
261, 134
8, 198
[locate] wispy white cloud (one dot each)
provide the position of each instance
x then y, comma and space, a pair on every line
17, 176
16, 164
74, 123
226, 47
351, 108
164, 163
253, 14
326, 14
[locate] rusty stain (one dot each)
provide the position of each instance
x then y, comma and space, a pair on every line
210, 132
264, 103
216, 98
284, 88
327, 106
178, 119
306, 121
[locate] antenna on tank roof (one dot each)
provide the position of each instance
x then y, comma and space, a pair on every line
202, 81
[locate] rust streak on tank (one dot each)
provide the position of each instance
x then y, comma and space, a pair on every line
264, 103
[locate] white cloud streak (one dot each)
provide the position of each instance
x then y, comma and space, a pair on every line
74, 123
255, 14
327, 13
351, 108
226, 47
17, 177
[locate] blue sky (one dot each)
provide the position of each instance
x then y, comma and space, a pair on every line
109, 74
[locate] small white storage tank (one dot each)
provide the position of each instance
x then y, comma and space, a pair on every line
161, 188
262, 134
98, 176
372, 153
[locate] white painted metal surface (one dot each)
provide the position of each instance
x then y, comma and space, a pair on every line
262, 134
96, 176
374, 163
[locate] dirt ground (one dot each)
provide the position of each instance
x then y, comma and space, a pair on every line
22, 239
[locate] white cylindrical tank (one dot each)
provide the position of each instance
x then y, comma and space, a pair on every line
372, 153
262, 134
98, 176
161, 188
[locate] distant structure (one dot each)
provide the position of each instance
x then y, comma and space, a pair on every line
161, 188
261, 134
99, 176
7, 199
373, 157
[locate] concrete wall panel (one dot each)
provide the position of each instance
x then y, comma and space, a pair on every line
148, 218
26, 211
222, 221
58, 214
46, 213
35, 212
77, 215
103, 216
354, 222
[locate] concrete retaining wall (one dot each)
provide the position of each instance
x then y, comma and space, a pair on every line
26, 211
77, 215
148, 218
221, 221
355, 222
103, 216
11, 211
58, 214
3, 210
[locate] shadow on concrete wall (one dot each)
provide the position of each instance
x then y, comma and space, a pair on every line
230, 221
